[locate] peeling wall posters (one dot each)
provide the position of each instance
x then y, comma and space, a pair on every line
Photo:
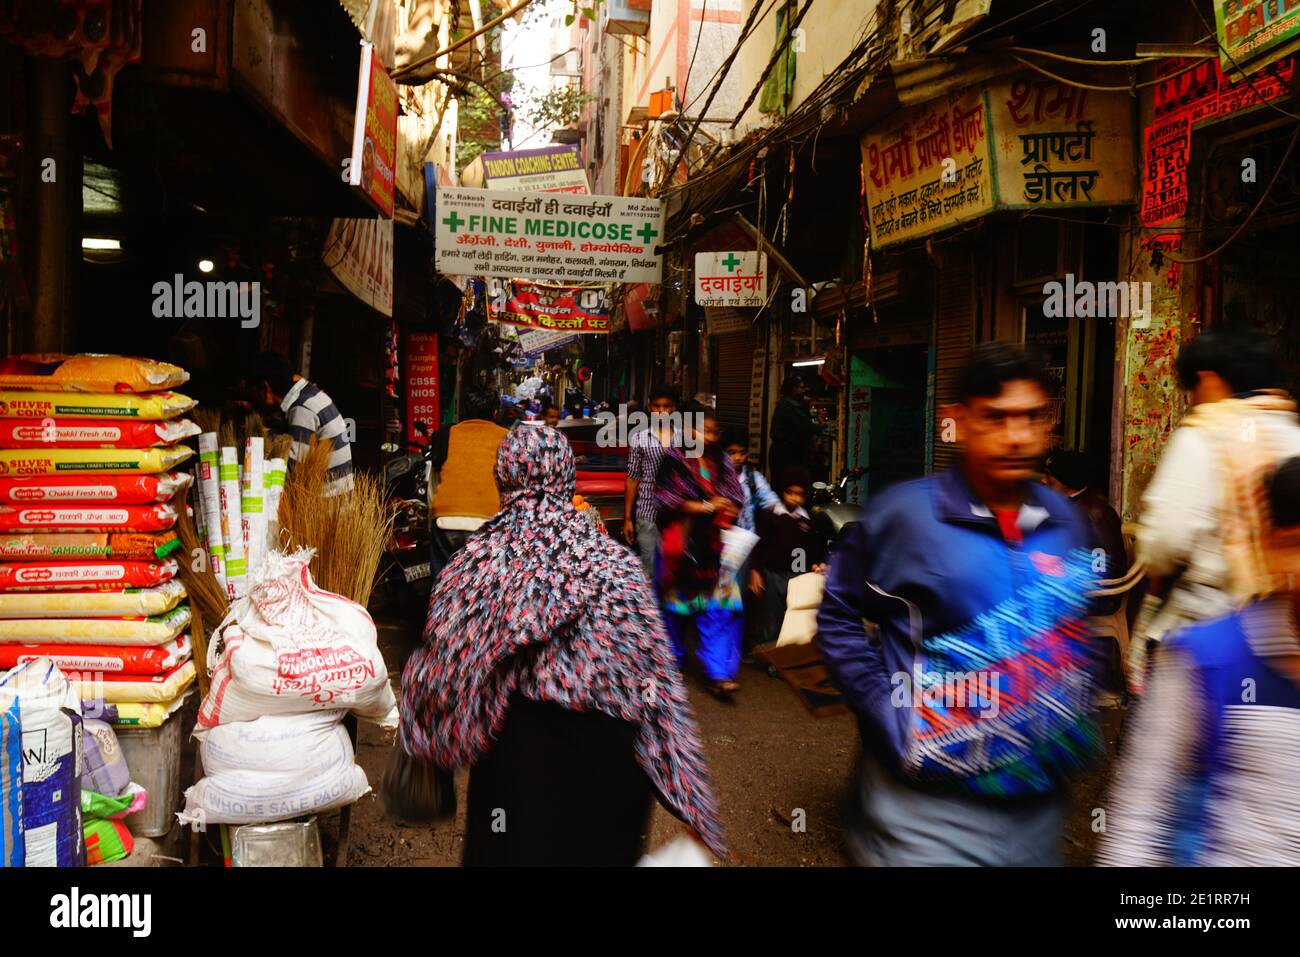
1207, 94
1164, 180
928, 169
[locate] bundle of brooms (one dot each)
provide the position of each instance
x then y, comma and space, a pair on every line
348, 533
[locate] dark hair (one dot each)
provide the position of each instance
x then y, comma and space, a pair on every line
735, 435
548, 406
791, 383
663, 391
993, 364
1071, 469
793, 475
480, 403
1284, 494
1243, 357
273, 369
694, 407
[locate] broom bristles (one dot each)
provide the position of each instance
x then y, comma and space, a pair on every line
204, 590
348, 531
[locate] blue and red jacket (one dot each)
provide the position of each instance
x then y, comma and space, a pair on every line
926, 558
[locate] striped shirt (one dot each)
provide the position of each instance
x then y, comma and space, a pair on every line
645, 453
311, 412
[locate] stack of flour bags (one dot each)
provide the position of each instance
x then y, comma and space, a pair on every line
287, 664
88, 501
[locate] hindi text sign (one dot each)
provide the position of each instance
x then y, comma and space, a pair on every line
928, 169
1060, 145
732, 279
548, 237
1254, 33
565, 309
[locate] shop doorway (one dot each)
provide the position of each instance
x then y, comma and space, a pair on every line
887, 419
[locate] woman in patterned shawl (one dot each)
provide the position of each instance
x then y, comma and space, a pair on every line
698, 496
546, 668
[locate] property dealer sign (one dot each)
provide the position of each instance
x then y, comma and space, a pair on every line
548, 237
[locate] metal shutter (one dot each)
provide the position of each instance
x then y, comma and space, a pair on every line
734, 370
954, 314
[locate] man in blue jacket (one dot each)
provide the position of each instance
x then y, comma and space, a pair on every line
965, 553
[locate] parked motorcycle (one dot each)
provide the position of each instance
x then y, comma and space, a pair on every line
404, 581
829, 510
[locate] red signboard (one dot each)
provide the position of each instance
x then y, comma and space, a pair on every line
374, 134
1164, 178
554, 308
421, 383
1206, 94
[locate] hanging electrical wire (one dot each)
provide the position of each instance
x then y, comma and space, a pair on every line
779, 52
1259, 204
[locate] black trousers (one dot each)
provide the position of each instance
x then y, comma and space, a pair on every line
558, 788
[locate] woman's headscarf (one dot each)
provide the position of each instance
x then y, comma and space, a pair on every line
540, 602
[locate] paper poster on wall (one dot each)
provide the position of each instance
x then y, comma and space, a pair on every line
1164, 177
421, 383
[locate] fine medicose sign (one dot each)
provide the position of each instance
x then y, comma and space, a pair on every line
732, 279
548, 237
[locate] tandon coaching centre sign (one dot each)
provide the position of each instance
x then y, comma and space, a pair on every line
565, 239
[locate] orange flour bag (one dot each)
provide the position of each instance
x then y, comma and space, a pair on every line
87, 518
92, 433
89, 372
119, 489
81, 575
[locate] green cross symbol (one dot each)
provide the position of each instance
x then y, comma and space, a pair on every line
731, 262
453, 221
647, 233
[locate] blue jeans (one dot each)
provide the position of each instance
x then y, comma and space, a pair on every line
647, 544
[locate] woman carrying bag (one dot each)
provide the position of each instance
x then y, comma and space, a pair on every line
699, 497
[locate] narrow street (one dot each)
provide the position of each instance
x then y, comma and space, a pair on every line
768, 757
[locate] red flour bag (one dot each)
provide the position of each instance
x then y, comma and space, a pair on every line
92, 433
87, 518
289, 647
104, 489
123, 660
84, 576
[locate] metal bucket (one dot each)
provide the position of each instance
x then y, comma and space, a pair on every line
287, 844
153, 756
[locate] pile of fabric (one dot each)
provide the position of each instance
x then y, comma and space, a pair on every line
88, 503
